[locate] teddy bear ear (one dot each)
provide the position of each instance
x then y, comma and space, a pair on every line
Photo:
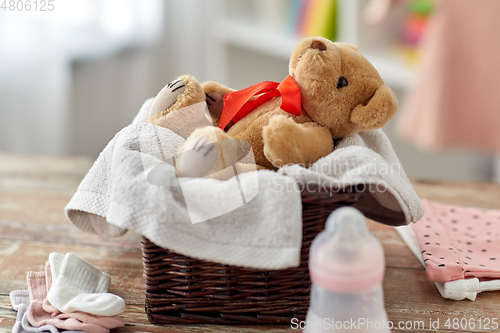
379, 110
351, 46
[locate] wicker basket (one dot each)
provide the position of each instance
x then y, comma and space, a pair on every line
183, 290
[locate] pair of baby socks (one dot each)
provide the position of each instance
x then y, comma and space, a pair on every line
79, 286
20, 302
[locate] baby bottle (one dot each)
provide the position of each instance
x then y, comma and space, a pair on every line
346, 264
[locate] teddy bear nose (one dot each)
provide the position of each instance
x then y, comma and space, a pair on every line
318, 45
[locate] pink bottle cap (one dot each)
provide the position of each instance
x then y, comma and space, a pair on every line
346, 257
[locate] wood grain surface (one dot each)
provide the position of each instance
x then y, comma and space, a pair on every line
34, 191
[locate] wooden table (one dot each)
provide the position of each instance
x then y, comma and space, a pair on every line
34, 191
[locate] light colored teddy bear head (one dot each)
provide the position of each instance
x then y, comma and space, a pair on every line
340, 88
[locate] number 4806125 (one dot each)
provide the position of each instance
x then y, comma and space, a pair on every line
472, 323
27, 5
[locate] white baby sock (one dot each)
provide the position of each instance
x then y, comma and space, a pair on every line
55, 260
79, 286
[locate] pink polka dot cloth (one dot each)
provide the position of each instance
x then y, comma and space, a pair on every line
459, 242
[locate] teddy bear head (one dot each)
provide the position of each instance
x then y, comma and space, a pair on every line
340, 88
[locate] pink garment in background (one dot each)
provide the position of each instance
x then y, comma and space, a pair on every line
459, 242
456, 101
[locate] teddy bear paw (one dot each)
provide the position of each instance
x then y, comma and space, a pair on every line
278, 135
206, 151
215, 103
199, 157
176, 95
167, 97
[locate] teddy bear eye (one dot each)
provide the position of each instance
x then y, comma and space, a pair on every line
342, 82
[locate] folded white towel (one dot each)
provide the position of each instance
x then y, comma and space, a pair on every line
253, 220
265, 232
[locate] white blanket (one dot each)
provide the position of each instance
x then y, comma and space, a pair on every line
257, 218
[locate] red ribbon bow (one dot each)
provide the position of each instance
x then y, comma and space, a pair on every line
237, 104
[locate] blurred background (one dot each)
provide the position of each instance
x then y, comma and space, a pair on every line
73, 75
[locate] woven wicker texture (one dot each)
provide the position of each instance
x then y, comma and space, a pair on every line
184, 290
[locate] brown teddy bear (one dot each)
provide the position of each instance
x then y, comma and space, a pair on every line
339, 94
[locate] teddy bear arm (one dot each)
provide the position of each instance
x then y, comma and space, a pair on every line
212, 86
214, 93
314, 142
287, 142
